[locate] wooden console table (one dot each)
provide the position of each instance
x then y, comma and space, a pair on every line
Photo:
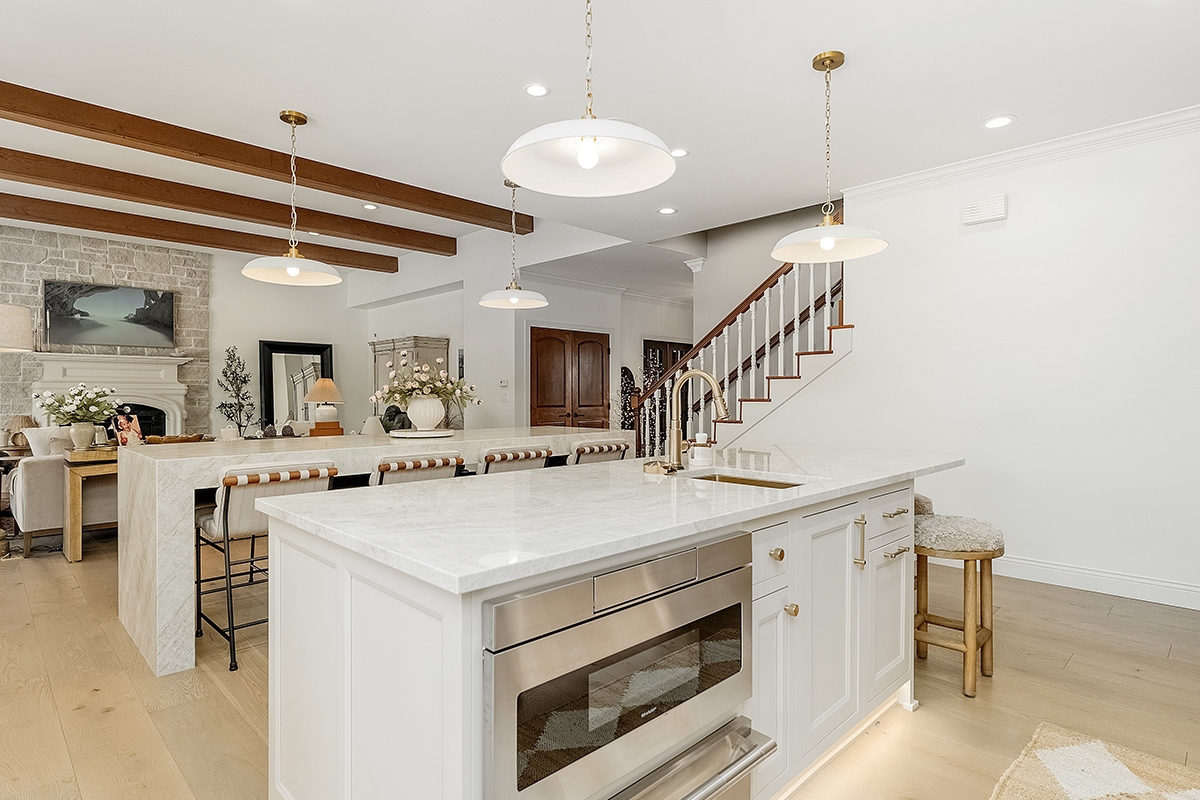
80, 465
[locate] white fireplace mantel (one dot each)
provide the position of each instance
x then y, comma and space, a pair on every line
149, 380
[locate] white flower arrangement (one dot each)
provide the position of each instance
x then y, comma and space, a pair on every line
79, 404
410, 381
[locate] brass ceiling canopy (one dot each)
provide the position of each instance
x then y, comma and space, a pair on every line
830, 60
296, 118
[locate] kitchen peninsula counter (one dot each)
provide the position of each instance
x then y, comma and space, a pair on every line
382, 644
156, 491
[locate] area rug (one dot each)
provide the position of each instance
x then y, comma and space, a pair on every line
1061, 764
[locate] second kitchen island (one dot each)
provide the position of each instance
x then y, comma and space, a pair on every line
560, 633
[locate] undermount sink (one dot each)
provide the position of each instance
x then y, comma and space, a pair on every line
719, 478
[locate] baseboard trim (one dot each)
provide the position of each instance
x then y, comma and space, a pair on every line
1137, 587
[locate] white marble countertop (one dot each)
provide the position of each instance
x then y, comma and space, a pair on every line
466, 534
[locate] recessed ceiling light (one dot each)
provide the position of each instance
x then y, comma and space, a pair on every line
999, 122
370, 206
667, 210
537, 90
679, 152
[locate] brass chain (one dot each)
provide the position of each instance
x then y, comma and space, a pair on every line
587, 114
514, 234
292, 240
827, 209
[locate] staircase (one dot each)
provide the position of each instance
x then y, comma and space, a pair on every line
783, 336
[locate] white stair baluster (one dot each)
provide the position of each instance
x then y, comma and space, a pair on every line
753, 349
740, 391
703, 386
812, 307
766, 367
828, 306
796, 321
782, 321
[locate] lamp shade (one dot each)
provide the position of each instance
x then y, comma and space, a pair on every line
588, 158
20, 421
16, 329
324, 391
514, 298
291, 270
844, 243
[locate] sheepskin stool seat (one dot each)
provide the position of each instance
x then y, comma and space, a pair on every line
974, 542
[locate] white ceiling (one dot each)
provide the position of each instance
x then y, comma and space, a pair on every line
639, 268
431, 93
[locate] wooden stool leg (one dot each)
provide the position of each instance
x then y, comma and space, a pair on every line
922, 600
985, 600
970, 622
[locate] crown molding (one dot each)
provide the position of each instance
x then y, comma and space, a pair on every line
1126, 134
656, 299
574, 283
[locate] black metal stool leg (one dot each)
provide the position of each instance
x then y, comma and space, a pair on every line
229, 599
199, 623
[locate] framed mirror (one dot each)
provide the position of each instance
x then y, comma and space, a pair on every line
287, 370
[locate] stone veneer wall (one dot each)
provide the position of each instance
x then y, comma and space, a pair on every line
28, 257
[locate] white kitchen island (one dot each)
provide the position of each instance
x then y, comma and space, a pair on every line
377, 599
156, 495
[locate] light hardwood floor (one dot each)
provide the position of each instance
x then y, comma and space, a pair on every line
81, 716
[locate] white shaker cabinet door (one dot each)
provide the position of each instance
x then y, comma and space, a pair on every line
773, 623
887, 614
827, 591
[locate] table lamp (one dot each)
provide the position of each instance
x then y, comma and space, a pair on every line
326, 393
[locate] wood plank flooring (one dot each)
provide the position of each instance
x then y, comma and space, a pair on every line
82, 716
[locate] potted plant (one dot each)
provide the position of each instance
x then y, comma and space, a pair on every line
81, 408
239, 408
421, 391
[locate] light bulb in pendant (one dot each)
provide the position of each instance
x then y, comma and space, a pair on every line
514, 300
588, 156
293, 272
827, 243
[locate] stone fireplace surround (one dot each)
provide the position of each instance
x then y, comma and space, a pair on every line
149, 380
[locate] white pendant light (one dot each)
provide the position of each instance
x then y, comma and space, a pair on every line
514, 296
292, 269
588, 157
828, 241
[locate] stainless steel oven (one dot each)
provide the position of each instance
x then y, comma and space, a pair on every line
606, 678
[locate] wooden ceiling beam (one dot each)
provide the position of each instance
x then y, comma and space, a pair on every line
63, 114
72, 176
50, 212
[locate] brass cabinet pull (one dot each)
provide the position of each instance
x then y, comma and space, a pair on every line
792, 609
896, 554
896, 513
861, 522
776, 553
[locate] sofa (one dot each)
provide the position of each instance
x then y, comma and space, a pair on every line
37, 484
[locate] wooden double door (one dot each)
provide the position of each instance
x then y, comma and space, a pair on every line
568, 378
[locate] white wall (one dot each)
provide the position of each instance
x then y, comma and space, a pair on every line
439, 315
243, 311
1008, 343
643, 318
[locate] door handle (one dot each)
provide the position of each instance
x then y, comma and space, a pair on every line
896, 513
896, 554
861, 522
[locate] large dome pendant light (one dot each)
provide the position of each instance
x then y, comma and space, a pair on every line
514, 296
588, 157
828, 241
292, 269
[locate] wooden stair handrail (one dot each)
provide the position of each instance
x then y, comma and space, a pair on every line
730, 318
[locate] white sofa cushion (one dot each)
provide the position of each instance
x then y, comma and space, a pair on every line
48, 441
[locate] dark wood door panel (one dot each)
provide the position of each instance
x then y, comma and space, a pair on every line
568, 378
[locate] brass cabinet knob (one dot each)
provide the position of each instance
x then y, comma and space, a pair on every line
776, 553
792, 609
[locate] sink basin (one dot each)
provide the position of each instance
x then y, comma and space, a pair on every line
718, 478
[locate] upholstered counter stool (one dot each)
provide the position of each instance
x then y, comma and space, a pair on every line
974, 542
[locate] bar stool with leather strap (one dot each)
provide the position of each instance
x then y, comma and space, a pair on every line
421, 467
974, 542
236, 518
592, 451
502, 460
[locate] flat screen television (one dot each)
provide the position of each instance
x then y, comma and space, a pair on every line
88, 314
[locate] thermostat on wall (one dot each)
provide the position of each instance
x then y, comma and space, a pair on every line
985, 209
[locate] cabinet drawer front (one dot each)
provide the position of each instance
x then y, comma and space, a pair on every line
889, 512
771, 557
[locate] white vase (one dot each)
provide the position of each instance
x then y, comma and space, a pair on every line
426, 412
83, 434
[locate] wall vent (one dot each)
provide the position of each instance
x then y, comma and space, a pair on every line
985, 209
